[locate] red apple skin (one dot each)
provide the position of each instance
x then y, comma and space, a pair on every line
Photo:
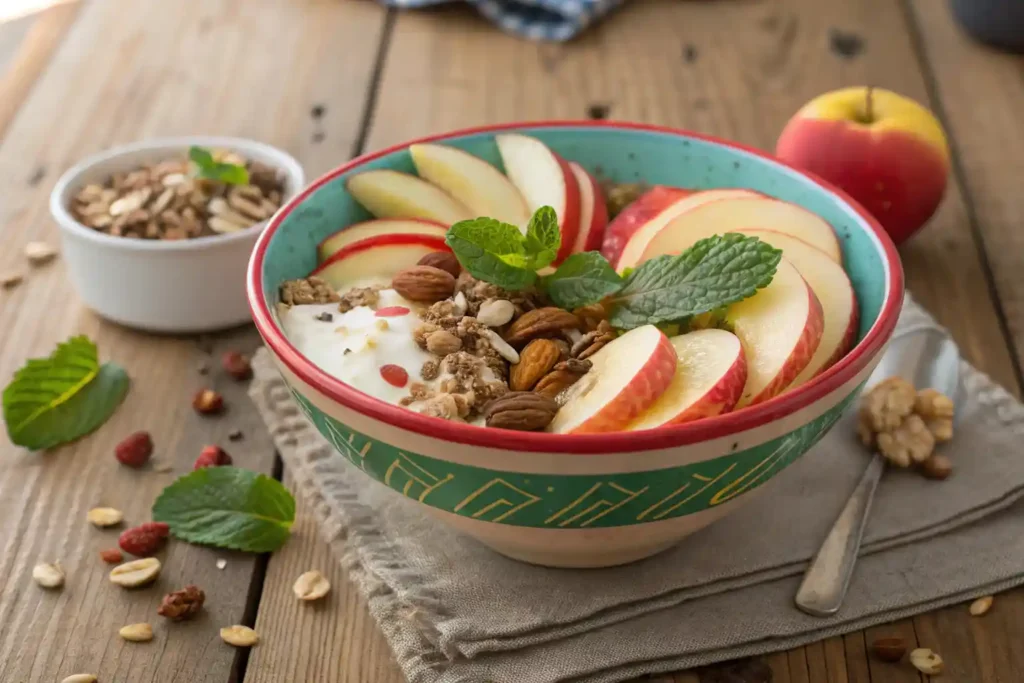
430, 242
642, 390
801, 355
324, 250
569, 224
722, 398
896, 167
599, 217
636, 214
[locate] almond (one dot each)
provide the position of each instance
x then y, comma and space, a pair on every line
445, 260
536, 360
424, 283
539, 323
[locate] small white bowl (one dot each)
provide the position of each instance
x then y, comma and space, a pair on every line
193, 285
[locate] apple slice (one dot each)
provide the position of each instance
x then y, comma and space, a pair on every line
635, 215
831, 285
377, 257
780, 328
732, 215
391, 194
593, 211
709, 379
383, 226
479, 186
544, 179
633, 252
627, 376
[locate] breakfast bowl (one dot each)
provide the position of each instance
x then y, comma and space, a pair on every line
582, 499
158, 285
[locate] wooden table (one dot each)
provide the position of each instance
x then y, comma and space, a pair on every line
328, 79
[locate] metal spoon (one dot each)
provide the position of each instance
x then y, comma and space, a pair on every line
927, 357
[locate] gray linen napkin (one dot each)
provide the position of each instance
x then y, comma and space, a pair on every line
453, 610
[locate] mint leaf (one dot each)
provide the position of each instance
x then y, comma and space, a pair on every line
580, 280
211, 169
492, 251
55, 400
714, 272
543, 237
228, 507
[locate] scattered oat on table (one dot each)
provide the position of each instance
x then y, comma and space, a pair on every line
239, 636
48, 575
137, 633
104, 517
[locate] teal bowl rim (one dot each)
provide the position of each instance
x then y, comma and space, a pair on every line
593, 444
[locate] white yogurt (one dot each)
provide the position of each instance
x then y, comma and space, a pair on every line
354, 346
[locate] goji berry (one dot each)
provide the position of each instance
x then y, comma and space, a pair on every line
212, 456
134, 450
395, 375
144, 539
111, 556
391, 311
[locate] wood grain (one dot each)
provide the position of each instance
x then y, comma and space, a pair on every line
26, 45
128, 70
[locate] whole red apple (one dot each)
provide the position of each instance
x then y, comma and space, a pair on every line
886, 151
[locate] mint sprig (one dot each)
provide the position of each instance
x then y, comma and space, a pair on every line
582, 279
55, 400
228, 507
500, 253
211, 169
713, 273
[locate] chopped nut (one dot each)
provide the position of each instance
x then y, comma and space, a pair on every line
359, 296
222, 563
137, 633
237, 365
442, 342
521, 410
981, 606
496, 312
136, 573
910, 442
310, 290
311, 586
235, 435
561, 377
11, 280
39, 253
104, 517
48, 575
930, 403
430, 370
460, 304
888, 403
445, 260
239, 636
79, 678
182, 604
889, 649
536, 361
501, 346
593, 341
926, 661
937, 467
208, 402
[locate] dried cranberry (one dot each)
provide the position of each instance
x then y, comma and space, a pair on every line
395, 375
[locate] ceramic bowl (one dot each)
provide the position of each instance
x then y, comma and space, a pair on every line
192, 285
582, 500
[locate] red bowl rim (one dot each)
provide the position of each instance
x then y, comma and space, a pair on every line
611, 443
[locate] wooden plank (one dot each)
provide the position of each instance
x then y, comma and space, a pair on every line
128, 70
26, 45
324, 642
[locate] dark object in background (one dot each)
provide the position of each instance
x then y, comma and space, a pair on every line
999, 23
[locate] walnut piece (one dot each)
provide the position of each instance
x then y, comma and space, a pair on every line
905, 424
910, 443
887, 403
182, 604
937, 410
310, 290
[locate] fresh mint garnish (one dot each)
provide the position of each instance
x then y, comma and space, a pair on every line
228, 507
713, 273
55, 400
211, 169
580, 280
499, 253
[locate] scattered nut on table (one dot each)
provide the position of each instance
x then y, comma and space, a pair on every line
239, 636
926, 661
889, 649
311, 586
104, 517
137, 633
39, 253
10, 280
48, 575
904, 425
79, 678
136, 573
981, 606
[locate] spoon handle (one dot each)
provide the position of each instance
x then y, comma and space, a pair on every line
824, 585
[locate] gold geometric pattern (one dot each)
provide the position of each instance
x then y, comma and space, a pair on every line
664, 512
607, 495
495, 495
411, 479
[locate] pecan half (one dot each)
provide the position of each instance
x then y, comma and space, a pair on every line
525, 411
561, 377
424, 283
536, 360
593, 341
539, 323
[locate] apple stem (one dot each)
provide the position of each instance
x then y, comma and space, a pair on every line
869, 114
